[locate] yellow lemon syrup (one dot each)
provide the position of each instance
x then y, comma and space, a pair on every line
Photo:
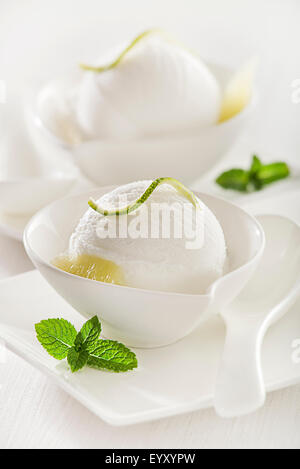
92, 267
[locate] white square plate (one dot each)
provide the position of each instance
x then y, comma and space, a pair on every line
170, 380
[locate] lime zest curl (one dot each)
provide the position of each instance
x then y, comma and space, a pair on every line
180, 188
116, 62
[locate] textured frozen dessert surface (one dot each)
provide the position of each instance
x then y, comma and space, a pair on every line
141, 260
160, 87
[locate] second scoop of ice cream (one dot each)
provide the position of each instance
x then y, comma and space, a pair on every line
160, 87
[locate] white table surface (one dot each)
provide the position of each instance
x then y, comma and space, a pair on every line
34, 413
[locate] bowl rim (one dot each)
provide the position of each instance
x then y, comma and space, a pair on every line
210, 291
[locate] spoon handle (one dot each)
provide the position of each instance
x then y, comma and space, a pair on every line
240, 386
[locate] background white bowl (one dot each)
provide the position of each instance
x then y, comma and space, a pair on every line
137, 317
186, 156
26, 196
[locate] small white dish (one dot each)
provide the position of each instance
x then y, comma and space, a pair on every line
106, 162
137, 317
168, 381
21, 197
270, 293
27, 181
13, 226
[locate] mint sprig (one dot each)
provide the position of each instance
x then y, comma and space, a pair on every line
61, 340
254, 179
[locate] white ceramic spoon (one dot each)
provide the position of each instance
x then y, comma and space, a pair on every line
270, 293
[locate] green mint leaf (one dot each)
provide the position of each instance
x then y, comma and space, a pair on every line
111, 355
236, 179
57, 336
255, 166
77, 359
78, 342
90, 332
272, 172
254, 183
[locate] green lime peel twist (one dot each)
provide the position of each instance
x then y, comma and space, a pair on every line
180, 188
116, 62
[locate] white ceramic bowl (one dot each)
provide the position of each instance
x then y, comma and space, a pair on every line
187, 156
137, 317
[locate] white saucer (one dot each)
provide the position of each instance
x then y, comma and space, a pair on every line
13, 225
169, 380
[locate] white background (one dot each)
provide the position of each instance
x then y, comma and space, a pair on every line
40, 39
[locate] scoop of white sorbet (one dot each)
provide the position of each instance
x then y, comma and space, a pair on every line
159, 87
166, 264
